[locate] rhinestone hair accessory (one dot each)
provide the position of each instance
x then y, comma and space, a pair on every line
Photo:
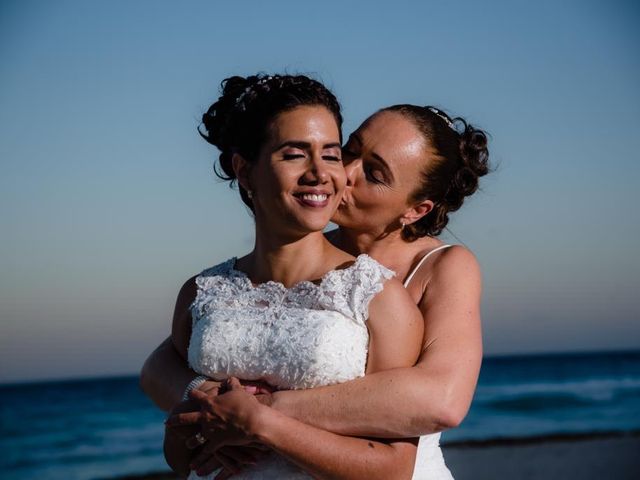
443, 116
240, 100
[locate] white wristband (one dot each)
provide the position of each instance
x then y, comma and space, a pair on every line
193, 384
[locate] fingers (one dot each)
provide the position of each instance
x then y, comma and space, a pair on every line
199, 396
205, 463
251, 389
209, 387
203, 459
234, 384
182, 419
195, 441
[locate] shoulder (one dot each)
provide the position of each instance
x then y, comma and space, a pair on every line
189, 290
187, 293
221, 268
455, 261
351, 288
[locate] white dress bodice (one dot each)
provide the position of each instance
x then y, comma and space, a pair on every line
300, 337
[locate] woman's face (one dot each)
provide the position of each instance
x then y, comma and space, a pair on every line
384, 160
298, 179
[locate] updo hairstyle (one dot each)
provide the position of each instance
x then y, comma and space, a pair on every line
237, 122
461, 158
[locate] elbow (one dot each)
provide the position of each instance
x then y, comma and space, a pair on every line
437, 416
451, 417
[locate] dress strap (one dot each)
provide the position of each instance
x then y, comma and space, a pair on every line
422, 260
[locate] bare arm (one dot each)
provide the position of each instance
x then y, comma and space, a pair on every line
165, 376
430, 397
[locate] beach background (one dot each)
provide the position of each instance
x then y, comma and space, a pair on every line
108, 203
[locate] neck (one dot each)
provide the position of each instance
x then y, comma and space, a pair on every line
390, 249
286, 260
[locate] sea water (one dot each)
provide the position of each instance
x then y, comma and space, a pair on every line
101, 428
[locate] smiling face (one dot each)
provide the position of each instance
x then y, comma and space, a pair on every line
384, 159
298, 178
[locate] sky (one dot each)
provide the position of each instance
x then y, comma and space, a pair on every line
108, 201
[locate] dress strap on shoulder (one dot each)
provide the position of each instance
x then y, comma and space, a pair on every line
422, 260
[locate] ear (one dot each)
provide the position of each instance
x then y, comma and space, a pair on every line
241, 168
416, 212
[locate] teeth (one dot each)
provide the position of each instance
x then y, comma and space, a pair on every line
314, 198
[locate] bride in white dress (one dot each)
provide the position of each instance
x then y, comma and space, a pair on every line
296, 312
410, 166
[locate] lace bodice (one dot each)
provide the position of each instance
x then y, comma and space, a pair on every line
299, 337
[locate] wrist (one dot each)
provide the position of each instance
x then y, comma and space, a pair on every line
261, 423
278, 401
193, 384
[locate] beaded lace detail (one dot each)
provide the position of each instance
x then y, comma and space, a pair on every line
299, 337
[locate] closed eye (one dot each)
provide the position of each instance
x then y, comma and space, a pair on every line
374, 175
292, 156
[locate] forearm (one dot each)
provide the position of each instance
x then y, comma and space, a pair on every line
326, 455
396, 403
165, 375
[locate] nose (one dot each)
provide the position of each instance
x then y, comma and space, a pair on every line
351, 169
317, 173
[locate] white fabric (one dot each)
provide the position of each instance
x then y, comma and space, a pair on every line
302, 337
429, 460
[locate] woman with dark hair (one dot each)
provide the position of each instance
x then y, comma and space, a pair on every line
408, 167
297, 311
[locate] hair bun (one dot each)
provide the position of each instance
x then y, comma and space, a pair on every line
474, 154
474, 150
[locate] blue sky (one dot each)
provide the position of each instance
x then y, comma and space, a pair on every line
108, 202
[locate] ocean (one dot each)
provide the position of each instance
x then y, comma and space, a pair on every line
106, 427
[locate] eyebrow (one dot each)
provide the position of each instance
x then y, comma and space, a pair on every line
306, 145
383, 163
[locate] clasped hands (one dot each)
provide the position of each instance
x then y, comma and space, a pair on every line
226, 418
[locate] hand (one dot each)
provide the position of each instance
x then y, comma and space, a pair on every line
257, 387
184, 432
226, 419
210, 387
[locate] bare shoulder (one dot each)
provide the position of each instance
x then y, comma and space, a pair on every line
187, 294
456, 260
392, 304
454, 277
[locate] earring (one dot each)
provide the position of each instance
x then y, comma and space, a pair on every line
249, 194
402, 225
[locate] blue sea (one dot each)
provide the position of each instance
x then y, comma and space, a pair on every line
104, 428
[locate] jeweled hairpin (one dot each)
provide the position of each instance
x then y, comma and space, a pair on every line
241, 97
443, 116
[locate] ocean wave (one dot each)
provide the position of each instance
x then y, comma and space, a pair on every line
588, 390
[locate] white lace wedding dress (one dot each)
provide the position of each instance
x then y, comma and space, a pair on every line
301, 337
